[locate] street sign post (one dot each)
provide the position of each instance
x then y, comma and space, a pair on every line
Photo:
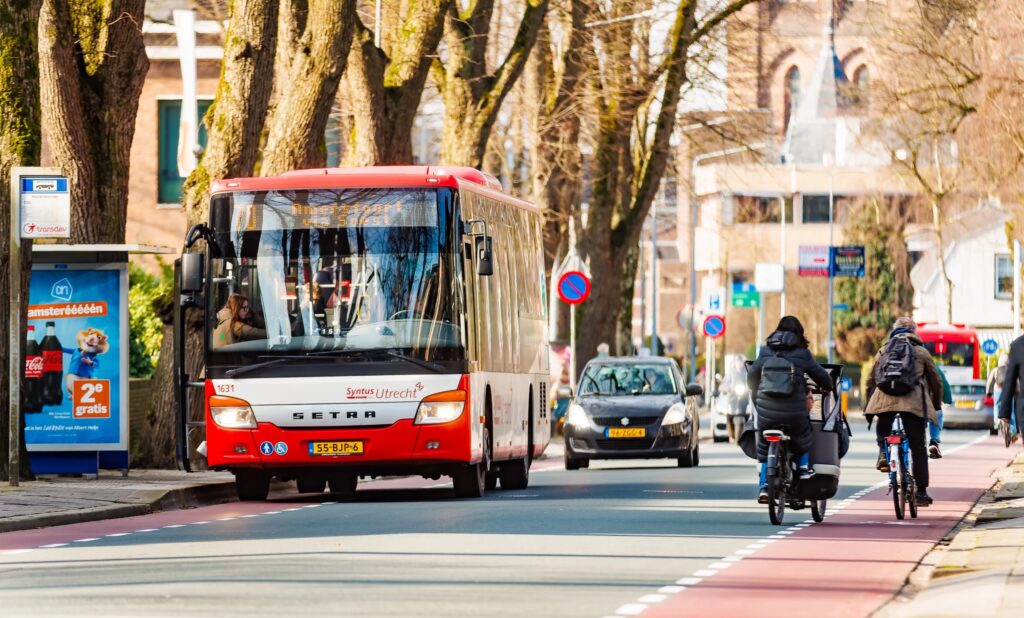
715, 300
714, 326
40, 208
990, 346
746, 300
573, 287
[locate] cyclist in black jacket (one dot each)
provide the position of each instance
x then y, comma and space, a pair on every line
788, 341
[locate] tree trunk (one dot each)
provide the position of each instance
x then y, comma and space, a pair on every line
473, 96
234, 125
299, 118
940, 254
19, 146
384, 88
92, 64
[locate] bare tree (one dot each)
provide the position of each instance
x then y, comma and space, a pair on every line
637, 100
472, 94
92, 64
384, 85
234, 125
19, 146
928, 96
312, 52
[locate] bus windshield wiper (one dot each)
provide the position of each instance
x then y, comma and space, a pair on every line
393, 353
274, 360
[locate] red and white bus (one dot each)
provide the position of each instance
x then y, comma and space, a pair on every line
954, 347
368, 321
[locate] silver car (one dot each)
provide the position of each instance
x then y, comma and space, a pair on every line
970, 408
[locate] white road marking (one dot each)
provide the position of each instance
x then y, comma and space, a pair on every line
116, 534
12, 552
689, 581
147, 530
199, 523
631, 609
720, 565
704, 573
744, 552
174, 526
89, 540
52, 545
662, 590
652, 598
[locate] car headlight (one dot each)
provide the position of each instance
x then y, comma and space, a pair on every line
441, 408
577, 417
675, 415
739, 390
231, 413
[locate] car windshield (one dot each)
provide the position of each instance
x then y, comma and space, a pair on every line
628, 379
345, 270
968, 389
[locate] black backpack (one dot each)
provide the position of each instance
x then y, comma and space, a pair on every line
778, 377
895, 372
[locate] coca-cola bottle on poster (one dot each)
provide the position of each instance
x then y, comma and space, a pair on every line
32, 386
53, 368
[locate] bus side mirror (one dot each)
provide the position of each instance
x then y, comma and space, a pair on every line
192, 273
484, 255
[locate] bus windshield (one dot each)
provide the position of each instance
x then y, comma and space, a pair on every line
303, 271
951, 354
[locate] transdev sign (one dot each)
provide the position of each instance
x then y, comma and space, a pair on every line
45, 207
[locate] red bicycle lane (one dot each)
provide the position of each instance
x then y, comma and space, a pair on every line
849, 565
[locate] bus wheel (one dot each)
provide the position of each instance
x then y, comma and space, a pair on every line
310, 484
470, 481
252, 485
515, 474
343, 484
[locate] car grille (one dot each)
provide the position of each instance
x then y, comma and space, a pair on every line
616, 421
625, 444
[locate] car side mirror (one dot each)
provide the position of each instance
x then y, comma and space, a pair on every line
484, 256
192, 272
694, 390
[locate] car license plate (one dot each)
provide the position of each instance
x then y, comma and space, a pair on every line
627, 432
349, 447
965, 404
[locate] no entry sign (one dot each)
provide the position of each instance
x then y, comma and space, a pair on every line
714, 326
573, 287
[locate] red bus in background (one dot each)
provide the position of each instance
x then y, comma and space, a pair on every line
954, 347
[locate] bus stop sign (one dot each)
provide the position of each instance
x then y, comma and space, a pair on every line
573, 287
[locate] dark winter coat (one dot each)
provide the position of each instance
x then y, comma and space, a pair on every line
774, 412
1013, 385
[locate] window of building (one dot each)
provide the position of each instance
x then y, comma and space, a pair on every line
1004, 276
815, 209
791, 95
169, 118
758, 209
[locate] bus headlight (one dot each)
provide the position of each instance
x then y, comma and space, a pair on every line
441, 408
577, 417
232, 413
675, 415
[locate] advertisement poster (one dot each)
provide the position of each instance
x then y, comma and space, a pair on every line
80, 323
814, 260
848, 261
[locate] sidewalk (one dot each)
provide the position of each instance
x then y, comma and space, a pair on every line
981, 571
55, 501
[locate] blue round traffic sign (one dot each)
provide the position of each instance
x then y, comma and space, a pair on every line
573, 287
714, 326
845, 384
990, 346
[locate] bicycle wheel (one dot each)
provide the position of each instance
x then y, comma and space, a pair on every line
896, 476
1004, 428
776, 501
818, 510
910, 485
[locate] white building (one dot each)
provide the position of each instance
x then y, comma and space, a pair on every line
979, 263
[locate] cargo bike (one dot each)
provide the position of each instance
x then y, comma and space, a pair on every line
830, 440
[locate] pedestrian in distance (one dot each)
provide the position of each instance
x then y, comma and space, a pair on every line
1012, 397
935, 427
905, 381
778, 387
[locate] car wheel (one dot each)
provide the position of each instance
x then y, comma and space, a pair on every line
696, 455
717, 438
252, 486
572, 463
686, 461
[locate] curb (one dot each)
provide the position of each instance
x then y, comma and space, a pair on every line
158, 500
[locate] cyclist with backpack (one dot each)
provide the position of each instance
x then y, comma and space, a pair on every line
778, 388
904, 380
